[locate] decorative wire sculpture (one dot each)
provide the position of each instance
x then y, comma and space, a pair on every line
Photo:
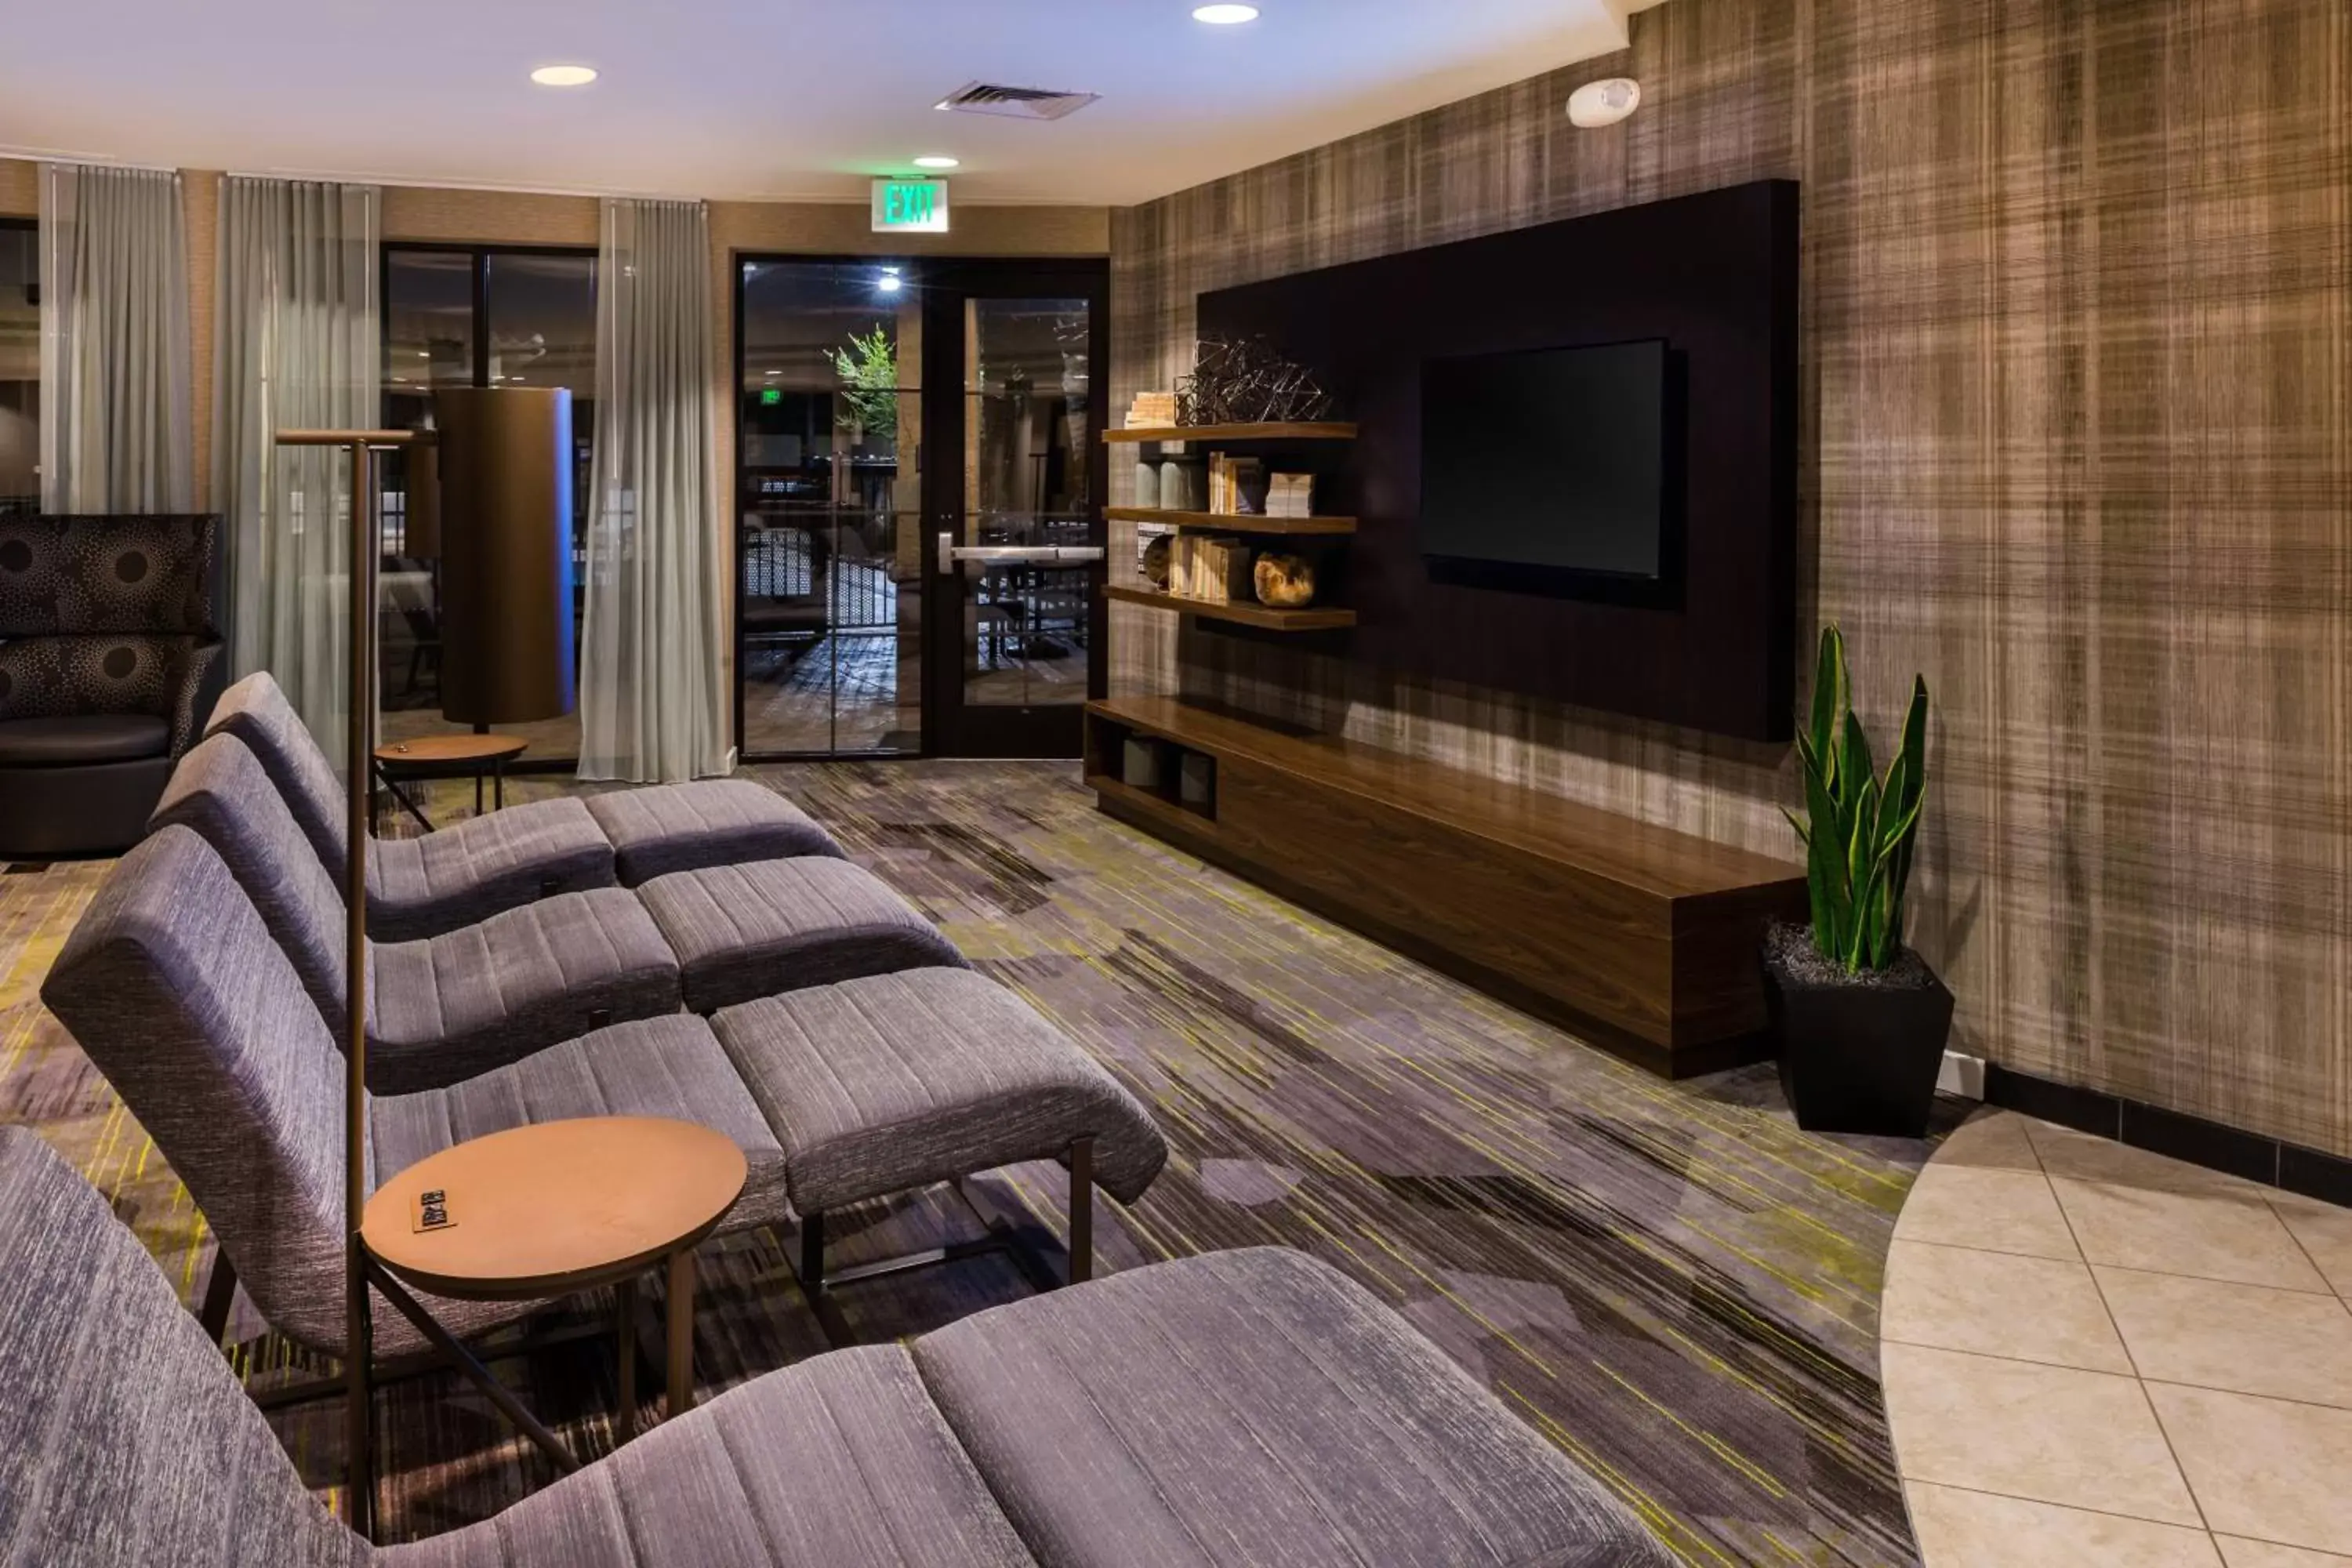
1243, 382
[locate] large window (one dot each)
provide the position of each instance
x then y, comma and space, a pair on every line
827, 547
477, 316
20, 365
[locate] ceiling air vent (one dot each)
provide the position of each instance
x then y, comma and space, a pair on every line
1016, 102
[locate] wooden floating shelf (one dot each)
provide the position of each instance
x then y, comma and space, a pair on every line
1230, 522
1319, 430
1260, 615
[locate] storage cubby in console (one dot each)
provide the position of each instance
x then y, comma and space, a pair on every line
1636, 938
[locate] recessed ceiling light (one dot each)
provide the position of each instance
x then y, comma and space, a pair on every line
937, 161
1225, 15
564, 76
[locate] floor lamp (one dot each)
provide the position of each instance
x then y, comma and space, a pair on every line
359, 741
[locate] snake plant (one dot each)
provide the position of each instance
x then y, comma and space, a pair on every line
1858, 828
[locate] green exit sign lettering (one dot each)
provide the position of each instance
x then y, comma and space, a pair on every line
911, 206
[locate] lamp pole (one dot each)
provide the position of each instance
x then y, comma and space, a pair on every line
357, 1337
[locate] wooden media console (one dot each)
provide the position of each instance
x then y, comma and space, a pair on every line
1639, 939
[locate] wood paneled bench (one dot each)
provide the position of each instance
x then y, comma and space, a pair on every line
1637, 938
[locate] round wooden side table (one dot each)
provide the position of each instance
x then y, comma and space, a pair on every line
562, 1206
444, 756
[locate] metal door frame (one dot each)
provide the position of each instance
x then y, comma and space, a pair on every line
951, 728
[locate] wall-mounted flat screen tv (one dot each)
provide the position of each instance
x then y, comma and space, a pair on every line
1547, 458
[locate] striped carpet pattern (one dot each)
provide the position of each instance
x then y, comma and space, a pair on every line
1669, 1281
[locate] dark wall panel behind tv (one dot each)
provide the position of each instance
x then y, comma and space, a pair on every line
1713, 275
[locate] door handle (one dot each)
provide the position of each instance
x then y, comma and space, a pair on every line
951, 554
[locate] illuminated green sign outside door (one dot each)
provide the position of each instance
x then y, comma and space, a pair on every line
911, 206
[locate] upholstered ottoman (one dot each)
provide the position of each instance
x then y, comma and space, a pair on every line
899, 1080
715, 822
741, 932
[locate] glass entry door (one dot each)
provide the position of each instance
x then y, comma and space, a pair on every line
1013, 486
828, 544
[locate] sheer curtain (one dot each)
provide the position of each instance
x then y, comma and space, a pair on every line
114, 342
652, 700
297, 347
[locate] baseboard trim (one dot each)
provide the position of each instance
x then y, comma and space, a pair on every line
2213, 1145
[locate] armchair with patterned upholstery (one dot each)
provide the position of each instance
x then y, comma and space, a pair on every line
109, 662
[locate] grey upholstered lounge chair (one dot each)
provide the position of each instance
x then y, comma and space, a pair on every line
172, 986
446, 1008
1229, 1411
473, 869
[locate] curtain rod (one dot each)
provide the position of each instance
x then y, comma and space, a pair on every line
84, 160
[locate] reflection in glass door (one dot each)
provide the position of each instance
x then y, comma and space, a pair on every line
828, 562
1025, 486
1015, 505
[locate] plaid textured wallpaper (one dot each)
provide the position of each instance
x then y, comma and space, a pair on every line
2077, 445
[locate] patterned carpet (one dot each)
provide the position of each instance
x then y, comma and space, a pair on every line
1671, 1282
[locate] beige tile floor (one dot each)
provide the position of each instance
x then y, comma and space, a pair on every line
2093, 1355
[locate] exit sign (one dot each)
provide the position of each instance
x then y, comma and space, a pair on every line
911, 206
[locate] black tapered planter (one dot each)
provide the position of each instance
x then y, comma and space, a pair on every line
1857, 1057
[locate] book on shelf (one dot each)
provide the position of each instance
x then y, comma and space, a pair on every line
1151, 410
1215, 570
1290, 495
1231, 481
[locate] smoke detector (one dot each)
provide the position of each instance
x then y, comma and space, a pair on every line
1015, 102
1600, 103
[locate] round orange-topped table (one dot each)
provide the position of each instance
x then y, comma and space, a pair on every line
447, 756
562, 1206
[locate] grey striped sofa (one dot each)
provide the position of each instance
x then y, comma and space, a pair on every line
172, 986
1229, 1411
473, 869
446, 1008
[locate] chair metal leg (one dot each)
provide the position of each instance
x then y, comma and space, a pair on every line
817, 1287
220, 1294
624, 1419
1082, 1211
812, 1270
680, 1308
1026, 1244
359, 1397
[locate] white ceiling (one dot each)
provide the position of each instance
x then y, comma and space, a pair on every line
750, 98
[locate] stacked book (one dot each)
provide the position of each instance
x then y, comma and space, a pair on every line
1235, 485
1290, 495
1151, 411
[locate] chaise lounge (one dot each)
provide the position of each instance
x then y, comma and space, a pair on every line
1236, 1409
466, 872
836, 1094
446, 1008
